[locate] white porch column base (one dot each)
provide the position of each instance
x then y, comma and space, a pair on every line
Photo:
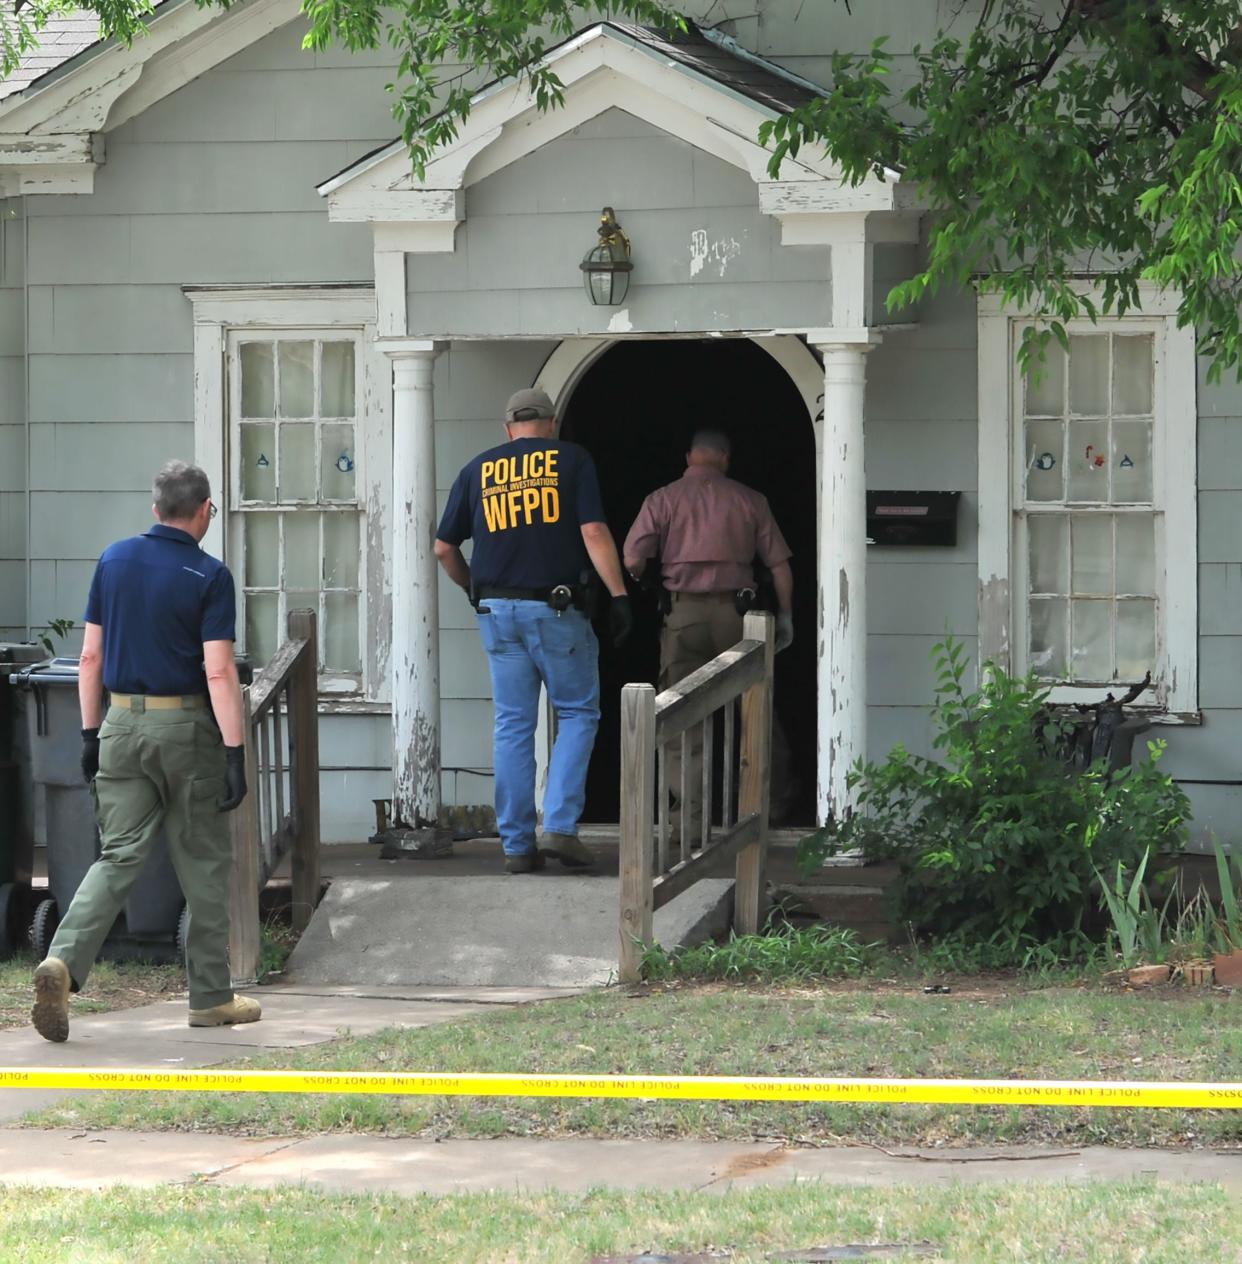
842, 672
415, 593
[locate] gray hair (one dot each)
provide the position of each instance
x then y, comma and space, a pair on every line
179, 489
715, 440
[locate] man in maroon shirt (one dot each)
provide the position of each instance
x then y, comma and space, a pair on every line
707, 529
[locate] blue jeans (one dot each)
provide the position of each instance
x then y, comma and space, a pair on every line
527, 642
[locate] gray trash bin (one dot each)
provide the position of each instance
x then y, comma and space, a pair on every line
150, 924
16, 799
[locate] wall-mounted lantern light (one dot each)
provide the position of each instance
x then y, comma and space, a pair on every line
606, 267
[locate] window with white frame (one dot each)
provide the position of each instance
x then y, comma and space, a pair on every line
296, 503
1087, 506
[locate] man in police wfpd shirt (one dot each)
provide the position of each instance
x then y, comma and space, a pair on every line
170, 754
532, 507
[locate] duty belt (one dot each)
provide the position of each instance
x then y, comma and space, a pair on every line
156, 702
484, 591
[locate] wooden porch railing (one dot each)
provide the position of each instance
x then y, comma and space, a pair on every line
280, 813
648, 724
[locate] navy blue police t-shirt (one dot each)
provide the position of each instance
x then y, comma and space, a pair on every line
158, 597
524, 504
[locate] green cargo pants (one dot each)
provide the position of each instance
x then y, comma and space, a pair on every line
158, 768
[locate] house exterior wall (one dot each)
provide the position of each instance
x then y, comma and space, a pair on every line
705, 256
215, 185
12, 422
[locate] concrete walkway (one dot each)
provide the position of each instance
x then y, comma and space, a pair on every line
347, 1164
156, 1036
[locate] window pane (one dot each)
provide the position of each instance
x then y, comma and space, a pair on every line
1092, 655
1047, 638
297, 463
258, 380
1136, 554
301, 551
1132, 462
1045, 384
258, 463
1088, 374
1045, 465
340, 645
341, 562
338, 481
262, 550
1132, 373
1136, 639
336, 377
297, 379
1092, 566
262, 612
1087, 462
1048, 553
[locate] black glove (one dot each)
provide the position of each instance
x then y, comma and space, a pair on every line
234, 777
90, 754
620, 620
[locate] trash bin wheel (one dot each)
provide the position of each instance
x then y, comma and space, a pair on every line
46, 920
183, 931
9, 914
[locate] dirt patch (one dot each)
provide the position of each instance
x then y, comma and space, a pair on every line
745, 1164
112, 986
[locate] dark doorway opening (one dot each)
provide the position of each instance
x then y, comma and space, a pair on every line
635, 410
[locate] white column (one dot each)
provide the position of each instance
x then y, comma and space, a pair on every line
415, 595
842, 683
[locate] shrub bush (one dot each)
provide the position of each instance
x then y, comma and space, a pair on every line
997, 838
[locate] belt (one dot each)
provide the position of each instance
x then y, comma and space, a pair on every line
484, 591
726, 595
154, 702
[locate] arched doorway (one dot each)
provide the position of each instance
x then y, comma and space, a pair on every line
635, 409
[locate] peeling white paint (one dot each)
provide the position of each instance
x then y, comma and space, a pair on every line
719, 253
621, 322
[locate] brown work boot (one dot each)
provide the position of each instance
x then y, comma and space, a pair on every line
50, 1014
241, 1009
569, 849
524, 862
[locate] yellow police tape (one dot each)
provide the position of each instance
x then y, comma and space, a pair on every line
726, 1088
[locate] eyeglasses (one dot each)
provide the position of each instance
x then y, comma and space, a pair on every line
212, 507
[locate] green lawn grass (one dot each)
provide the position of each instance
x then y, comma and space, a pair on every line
113, 985
1107, 1223
1051, 1033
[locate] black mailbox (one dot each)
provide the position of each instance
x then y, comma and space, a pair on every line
912, 519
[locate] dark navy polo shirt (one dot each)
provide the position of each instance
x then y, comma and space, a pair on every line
158, 597
524, 504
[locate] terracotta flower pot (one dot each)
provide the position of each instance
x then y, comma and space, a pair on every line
1143, 976
1229, 968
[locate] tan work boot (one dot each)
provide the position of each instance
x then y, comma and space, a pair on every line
241, 1009
50, 1014
569, 849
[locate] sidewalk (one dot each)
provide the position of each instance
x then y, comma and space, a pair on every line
346, 1164
156, 1036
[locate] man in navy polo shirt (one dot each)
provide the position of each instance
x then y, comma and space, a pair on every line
532, 507
170, 753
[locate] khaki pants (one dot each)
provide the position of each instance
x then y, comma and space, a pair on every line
158, 768
697, 629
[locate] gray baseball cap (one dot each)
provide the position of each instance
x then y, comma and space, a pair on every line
532, 404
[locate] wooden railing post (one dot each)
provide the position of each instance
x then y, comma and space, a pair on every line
637, 815
244, 876
754, 790
304, 758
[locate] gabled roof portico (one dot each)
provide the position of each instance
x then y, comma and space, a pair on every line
712, 100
